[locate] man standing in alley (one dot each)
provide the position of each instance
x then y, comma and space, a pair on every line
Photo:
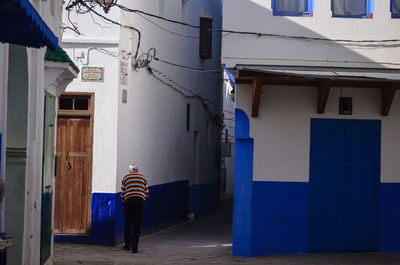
134, 191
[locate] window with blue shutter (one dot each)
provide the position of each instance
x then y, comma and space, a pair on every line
395, 8
353, 8
293, 7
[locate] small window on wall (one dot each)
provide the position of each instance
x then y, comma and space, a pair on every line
353, 8
293, 7
395, 8
74, 103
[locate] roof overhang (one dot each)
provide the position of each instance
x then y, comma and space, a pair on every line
388, 80
22, 25
58, 75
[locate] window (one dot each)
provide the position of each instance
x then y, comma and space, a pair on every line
205, 45
395, 8
293, 7
353, 8
74, 102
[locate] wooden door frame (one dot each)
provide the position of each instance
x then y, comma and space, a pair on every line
82, 113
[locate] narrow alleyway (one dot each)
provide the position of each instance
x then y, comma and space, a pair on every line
206, 241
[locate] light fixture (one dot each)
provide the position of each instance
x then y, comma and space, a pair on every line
106, 4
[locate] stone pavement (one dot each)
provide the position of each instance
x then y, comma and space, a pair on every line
206, 241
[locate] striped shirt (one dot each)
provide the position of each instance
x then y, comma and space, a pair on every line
134, 185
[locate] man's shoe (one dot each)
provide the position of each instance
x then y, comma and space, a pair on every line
134, 250
125, 247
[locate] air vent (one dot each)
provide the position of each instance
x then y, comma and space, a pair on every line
345, 106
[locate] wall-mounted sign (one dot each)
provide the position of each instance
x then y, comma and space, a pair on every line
124, 96
92, 74
123, 73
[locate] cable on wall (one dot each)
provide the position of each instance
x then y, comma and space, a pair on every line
259, 34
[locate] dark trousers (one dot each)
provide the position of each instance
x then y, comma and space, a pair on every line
133, 210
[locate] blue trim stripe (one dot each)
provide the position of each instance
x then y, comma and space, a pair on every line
166, 205
25, 26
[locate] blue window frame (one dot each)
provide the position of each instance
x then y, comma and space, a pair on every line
395, 8
352, 8
303, 8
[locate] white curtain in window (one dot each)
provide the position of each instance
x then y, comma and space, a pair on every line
396, 7
290, 5
349, 7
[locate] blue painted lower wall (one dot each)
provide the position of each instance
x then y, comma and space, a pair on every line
390, 217
167, 204
203, 199
280, 218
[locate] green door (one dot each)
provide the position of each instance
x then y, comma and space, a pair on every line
47, 177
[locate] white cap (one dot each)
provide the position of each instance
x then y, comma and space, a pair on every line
133, 167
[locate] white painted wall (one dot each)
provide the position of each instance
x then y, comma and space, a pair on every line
229, 122
105, 114
152, 125
88, 49
256, 16
282, 131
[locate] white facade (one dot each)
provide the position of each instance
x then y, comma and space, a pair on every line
88, 50
284, 127
256, 16
165, 147
158, 109
149, 126
228, 132
291, 140
291, 175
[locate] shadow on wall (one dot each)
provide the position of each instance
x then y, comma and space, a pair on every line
257, 50
273, 217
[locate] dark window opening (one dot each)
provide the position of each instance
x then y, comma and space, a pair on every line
66, 103
188, 117
81, 103
205, 37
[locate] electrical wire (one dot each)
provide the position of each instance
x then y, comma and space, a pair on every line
187, 67
167, 30
193, 95
152, 70
91, 8
259, 34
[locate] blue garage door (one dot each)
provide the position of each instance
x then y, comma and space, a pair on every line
344, 184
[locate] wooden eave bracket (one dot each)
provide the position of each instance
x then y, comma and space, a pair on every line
256, 94
387, 96
323, 94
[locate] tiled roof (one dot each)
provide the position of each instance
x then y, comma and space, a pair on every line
59, 56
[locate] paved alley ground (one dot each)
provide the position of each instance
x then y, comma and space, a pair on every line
206, 241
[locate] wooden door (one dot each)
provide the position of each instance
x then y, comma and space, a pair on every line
73, 181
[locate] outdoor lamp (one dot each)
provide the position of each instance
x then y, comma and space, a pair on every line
106, 4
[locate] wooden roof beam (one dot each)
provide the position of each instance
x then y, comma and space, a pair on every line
387, 96
323, 94
256, 94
